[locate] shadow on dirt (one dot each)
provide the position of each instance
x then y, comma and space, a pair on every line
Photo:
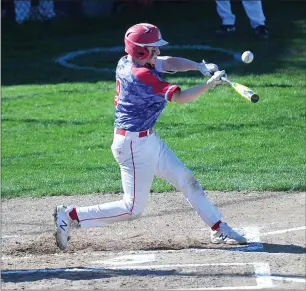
267, 248
284, 249
81, 273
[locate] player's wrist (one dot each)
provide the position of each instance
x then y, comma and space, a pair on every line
202, 68
210, 84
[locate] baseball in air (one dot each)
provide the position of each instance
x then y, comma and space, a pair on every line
247, 57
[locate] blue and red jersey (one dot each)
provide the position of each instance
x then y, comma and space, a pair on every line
141, 95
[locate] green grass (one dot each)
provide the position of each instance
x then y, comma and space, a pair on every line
57, 123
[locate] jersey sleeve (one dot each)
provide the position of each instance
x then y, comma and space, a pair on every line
159, 65
159, 86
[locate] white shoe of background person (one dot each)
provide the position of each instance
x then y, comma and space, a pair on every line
226, 235
63, 223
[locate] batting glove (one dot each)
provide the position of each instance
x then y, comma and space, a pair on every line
215, 80
207, 69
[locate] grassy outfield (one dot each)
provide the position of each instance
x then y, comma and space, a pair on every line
57, 123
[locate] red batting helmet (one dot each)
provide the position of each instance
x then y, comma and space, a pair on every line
139, 36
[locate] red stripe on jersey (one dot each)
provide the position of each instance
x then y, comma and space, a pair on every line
159, 87
171, 91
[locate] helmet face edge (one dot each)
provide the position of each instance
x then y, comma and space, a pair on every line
141, 35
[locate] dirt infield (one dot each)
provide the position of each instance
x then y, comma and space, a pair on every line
168, 248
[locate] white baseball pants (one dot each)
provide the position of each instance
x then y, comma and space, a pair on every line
253, 9
141, 159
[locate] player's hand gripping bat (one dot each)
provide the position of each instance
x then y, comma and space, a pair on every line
243, 91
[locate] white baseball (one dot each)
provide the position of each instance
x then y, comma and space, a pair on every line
247, 57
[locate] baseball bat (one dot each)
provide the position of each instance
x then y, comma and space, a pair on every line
243, 91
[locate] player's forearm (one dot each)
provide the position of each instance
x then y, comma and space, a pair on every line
190, 94
180, 65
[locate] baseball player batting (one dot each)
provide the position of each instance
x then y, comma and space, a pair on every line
141, 96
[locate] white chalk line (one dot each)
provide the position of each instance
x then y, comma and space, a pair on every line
262, 270
220, 288
12, 236
56, 270
129, 260
127, 267
283, 231
63, 60
164, 266
262, 273
288, 279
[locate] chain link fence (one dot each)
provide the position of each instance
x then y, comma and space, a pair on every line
42, 10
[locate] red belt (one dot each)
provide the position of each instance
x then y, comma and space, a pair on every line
140, 134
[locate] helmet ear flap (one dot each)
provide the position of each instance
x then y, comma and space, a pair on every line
136, 51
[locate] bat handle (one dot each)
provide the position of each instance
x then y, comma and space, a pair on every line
226, 80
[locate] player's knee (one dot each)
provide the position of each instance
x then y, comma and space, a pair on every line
135, 213
134, 210
188, 182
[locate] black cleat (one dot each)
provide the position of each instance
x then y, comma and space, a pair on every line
261, 32
226, 29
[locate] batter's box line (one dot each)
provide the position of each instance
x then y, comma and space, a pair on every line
252, 235
261, 271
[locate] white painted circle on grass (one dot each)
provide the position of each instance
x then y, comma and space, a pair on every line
65, 59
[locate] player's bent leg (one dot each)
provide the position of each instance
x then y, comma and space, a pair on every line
171, 169
137, 166
137, 159
89, 216
182, 179
106, 213
136, 186
175, 172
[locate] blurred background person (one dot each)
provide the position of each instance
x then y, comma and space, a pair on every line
254, 11
7, 9
34, 10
